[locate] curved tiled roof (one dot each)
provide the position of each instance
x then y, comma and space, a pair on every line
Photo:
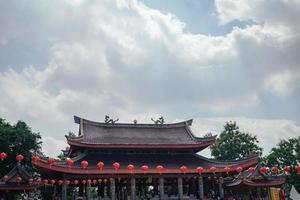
171, 163
97, 133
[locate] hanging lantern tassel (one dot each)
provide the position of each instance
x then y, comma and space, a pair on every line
5, 178
35, 159
18, 179
239, 169
227, 170
183, 169
69, 162
45, 181
250, 170
116, 165
19, 158
130, 168
200, 170
84, 164
144, 168
159, 168
30, 181
3, 156
213, 170
76, 182
100, 165
286, 169
274, 170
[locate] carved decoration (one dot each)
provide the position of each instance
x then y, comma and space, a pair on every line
159, 120
108, 120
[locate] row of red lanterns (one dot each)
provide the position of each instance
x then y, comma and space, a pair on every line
59, 182
145, 168
19, 157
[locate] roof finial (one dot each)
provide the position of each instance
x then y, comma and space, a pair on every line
135, 121
159, 120
108, 120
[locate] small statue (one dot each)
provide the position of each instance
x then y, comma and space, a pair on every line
158, 121
135, 121
208, 135
110, 121
71, 134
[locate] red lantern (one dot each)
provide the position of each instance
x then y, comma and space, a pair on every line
297, 168
227, 170
95, 181
159, 168
52, 182
76, 182
84, 164
5, 178
100, 165
3, 156
35, 159
200, 170
274, 169
50, 161
144, 168
68, 182
130, 168
213, 170
286, 169
38, 181
239, 169
116, 165
183, 169
89, 181
105, 181
45, 181
30, 181
99, 181
18, 179
250, 170
83, 182
19, 157
60, 182
69, 162
263, 170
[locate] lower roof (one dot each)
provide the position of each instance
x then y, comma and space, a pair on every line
170, 162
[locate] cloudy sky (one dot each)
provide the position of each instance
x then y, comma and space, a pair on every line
213, 61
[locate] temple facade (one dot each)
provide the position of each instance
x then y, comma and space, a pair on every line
120, 161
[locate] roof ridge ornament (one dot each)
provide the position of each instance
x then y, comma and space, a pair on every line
160, 120
109, 120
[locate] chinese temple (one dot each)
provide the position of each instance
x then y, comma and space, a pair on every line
120, 161
17, 180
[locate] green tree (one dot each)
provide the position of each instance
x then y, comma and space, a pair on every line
17, 139
232, 144
286, 153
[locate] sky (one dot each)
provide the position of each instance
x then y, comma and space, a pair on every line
213, 61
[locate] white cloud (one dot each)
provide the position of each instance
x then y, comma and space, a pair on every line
284, 83
271, 13
130, 61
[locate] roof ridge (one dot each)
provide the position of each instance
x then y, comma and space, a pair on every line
187, 123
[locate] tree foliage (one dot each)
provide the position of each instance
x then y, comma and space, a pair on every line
286, 153
17, 139
232, 144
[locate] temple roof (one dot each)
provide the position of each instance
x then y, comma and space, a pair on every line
171, 163
99, 134
255, 179
11, 184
